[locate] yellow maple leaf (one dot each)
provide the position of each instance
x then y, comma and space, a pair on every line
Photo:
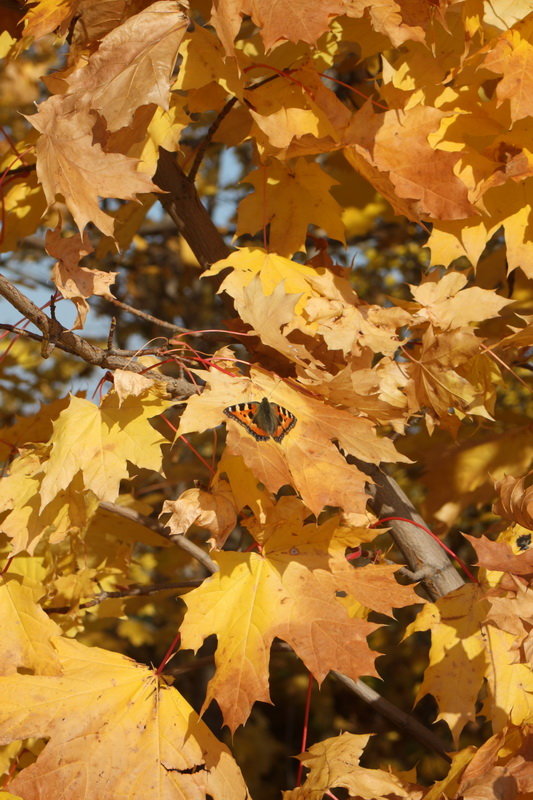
100, 441
272, 269
334, 763
26, 630
511, 56
457, 659
26, 524
447, 304
289, 197
509, 682
46, 16
111, 724
255, 598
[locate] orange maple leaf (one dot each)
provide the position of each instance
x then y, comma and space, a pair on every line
289, 591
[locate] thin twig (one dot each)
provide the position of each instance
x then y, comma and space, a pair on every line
208, 137
131, 591
400, 718
147, 351
154, 525
144, 315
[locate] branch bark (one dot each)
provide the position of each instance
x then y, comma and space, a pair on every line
184, 206
53, 333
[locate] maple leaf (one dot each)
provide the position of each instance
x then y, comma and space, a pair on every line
214, 511
26, 524
289, 197
457, 654
75, 282
307, 453
32, 428
27, 631
503, 757
132, 66
24, 206
447, 304
268, 315
71, 163
444, 376
100, 441
276, 19
281, 593
419, 174
499, 556
111, 724
393, 19
515, 500
509, 680
334, 763
511, 56
45, 17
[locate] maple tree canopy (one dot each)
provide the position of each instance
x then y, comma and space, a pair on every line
265, 354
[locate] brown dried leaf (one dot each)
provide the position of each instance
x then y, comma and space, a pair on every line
515, 500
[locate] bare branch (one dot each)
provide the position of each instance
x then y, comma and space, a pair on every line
131, 591
54, 332
208, 137
144, 315
406, 722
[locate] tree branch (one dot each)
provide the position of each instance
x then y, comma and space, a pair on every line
184, 206
54, 332
131, 591
406, 722
421, 552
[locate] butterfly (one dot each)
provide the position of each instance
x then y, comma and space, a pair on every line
262, 420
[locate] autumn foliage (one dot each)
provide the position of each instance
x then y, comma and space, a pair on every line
265, 329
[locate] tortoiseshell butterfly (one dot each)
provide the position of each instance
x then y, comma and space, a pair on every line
262, 420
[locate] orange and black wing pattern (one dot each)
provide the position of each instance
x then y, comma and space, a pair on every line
262, 420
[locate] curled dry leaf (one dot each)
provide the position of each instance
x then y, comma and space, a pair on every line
214, 511
515, 501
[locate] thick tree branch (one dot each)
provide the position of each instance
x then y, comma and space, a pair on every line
184, 206
423, 555
54, 333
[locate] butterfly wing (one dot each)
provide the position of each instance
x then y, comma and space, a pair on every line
262, 420
285, 422
245, 414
